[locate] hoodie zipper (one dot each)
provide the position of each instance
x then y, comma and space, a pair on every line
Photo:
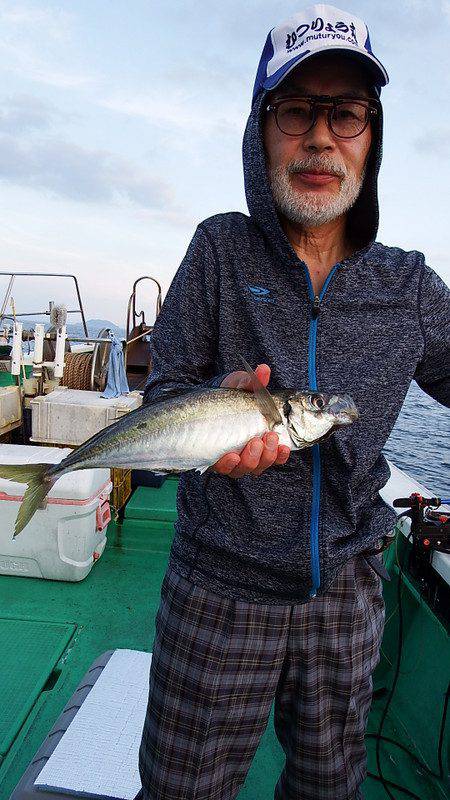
316, 301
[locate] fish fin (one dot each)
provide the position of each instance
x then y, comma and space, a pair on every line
202, 469
39, 485
264, 399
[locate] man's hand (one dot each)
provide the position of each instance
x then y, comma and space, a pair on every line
258, 454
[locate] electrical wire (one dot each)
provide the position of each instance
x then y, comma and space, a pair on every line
441, 733
412, 755
393, 613
396, 674
378, 736
397, 786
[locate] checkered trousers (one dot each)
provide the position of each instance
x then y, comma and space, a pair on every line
219, 663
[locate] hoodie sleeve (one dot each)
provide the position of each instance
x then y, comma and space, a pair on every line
433, 370
183, 343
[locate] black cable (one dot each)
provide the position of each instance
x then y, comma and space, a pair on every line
406, 750
394, 786
412, 755
378, 736
441, 733
396, 673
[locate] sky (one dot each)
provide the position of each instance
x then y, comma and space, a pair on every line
121, 128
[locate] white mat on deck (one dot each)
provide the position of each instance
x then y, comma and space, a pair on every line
98, 754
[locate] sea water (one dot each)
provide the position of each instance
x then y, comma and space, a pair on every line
420, 441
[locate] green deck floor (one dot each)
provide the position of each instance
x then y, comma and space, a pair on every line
39, 645
115, 607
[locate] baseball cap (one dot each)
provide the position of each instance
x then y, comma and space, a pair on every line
316, 29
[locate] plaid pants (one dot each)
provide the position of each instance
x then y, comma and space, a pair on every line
219, 663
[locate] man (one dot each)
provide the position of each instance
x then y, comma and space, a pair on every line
272, 590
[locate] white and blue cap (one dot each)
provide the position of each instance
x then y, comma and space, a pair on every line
316, 29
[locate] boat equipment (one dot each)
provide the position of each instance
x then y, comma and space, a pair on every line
137, 348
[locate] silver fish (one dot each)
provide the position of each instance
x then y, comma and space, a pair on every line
191, 431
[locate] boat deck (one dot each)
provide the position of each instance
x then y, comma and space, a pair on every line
55, 630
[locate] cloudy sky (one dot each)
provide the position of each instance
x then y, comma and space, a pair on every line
121, 127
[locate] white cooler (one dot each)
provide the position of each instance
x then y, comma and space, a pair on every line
62, 541
10, 408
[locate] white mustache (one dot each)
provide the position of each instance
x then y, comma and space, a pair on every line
321, 163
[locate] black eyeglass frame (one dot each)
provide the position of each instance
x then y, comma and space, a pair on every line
371, 104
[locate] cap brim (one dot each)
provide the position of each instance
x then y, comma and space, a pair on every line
374, 67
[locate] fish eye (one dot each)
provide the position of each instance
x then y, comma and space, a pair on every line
317, 401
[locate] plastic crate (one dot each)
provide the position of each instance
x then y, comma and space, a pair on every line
70, 416
121, 491
154, 504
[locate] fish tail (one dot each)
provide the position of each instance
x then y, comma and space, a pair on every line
39, 484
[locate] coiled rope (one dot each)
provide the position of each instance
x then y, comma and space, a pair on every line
77, 371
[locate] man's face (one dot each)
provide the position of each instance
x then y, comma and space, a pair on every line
293, 161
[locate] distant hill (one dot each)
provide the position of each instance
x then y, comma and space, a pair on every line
94, 326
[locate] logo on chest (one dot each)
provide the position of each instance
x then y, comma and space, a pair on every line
260, 294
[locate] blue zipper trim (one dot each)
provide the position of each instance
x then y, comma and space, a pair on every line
317, 465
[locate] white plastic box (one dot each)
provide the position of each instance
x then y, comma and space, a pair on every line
70, 416
10, 408
62, 541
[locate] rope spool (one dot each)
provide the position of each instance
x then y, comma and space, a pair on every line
77, 371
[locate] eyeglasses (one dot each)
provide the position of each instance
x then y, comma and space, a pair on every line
346, 117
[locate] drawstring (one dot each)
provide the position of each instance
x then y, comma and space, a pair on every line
201, 523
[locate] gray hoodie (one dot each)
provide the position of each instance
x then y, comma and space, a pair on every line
381, 321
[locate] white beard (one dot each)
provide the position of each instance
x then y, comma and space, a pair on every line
308, 207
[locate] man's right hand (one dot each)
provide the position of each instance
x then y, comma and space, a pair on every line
259, 453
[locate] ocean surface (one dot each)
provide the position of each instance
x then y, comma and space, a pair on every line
420, 441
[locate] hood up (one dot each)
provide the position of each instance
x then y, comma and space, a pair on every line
362, 218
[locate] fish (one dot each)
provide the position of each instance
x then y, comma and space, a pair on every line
191, 432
